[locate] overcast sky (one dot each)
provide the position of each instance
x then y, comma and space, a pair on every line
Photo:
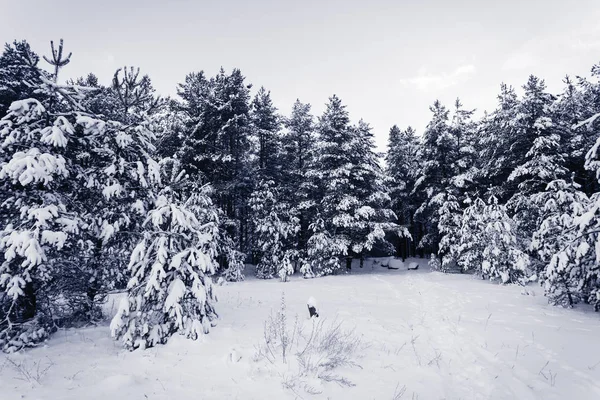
387, 60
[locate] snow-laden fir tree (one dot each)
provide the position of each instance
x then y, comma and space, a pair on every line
298, 143
275, 228
573, 272
561, 205
402, 166
117, 176
216, 145
170, 290
352, 201
496, 160
538, 154
89, 178
265, 126
373, 217
437, 154
453, 195
18, 74
39, 224
489, 244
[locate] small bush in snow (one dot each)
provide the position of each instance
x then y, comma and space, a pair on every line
170, 288
434, 262
307, 354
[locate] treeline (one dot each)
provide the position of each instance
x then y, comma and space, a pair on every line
109, 186
514, 196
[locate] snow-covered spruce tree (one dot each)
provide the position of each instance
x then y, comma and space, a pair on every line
469, 250
494, 143
170, 290
448, 202
113, 168
573, 273
18, 71
265, 128
297, 144
539, 156
275, 228
489, 243
566, 112
216, 145
450, 221
402, 166
351, 199
324, 250
39, 225
562, 203
438, 152
373, 217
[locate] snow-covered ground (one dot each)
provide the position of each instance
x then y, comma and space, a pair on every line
427, 336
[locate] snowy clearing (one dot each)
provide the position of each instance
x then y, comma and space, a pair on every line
426, 335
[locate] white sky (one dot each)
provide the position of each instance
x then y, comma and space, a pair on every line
387, 60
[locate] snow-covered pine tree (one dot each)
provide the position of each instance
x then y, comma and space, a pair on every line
562, 204
298, 143
18, 70
437, 153
266, 126
170, 290
538, 154
469, 250
402, 166
489, 243
351, 198
494, 144
373, 217
449, 225
456, 188
39, 224
116, 174
573, 272
275, 228
216, 145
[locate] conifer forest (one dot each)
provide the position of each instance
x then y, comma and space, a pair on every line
185, 232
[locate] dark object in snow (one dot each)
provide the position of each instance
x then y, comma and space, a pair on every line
312, 307
413, 265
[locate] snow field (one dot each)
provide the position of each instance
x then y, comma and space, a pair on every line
425, 335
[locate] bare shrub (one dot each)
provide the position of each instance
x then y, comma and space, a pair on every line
32, 373
308, 354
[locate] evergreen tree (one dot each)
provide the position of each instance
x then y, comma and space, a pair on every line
266, 126
402, 166
275, 230
494, 144
489, 244
352, 201
562, 204
539, 155
216, 144
298, 146
170, 290
18, 74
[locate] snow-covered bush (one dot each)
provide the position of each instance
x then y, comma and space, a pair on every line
561, 205
573, 272
324, 251
170, 290
489, 244
306, 354
450, 219
38, 228
275, 226
434, 262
